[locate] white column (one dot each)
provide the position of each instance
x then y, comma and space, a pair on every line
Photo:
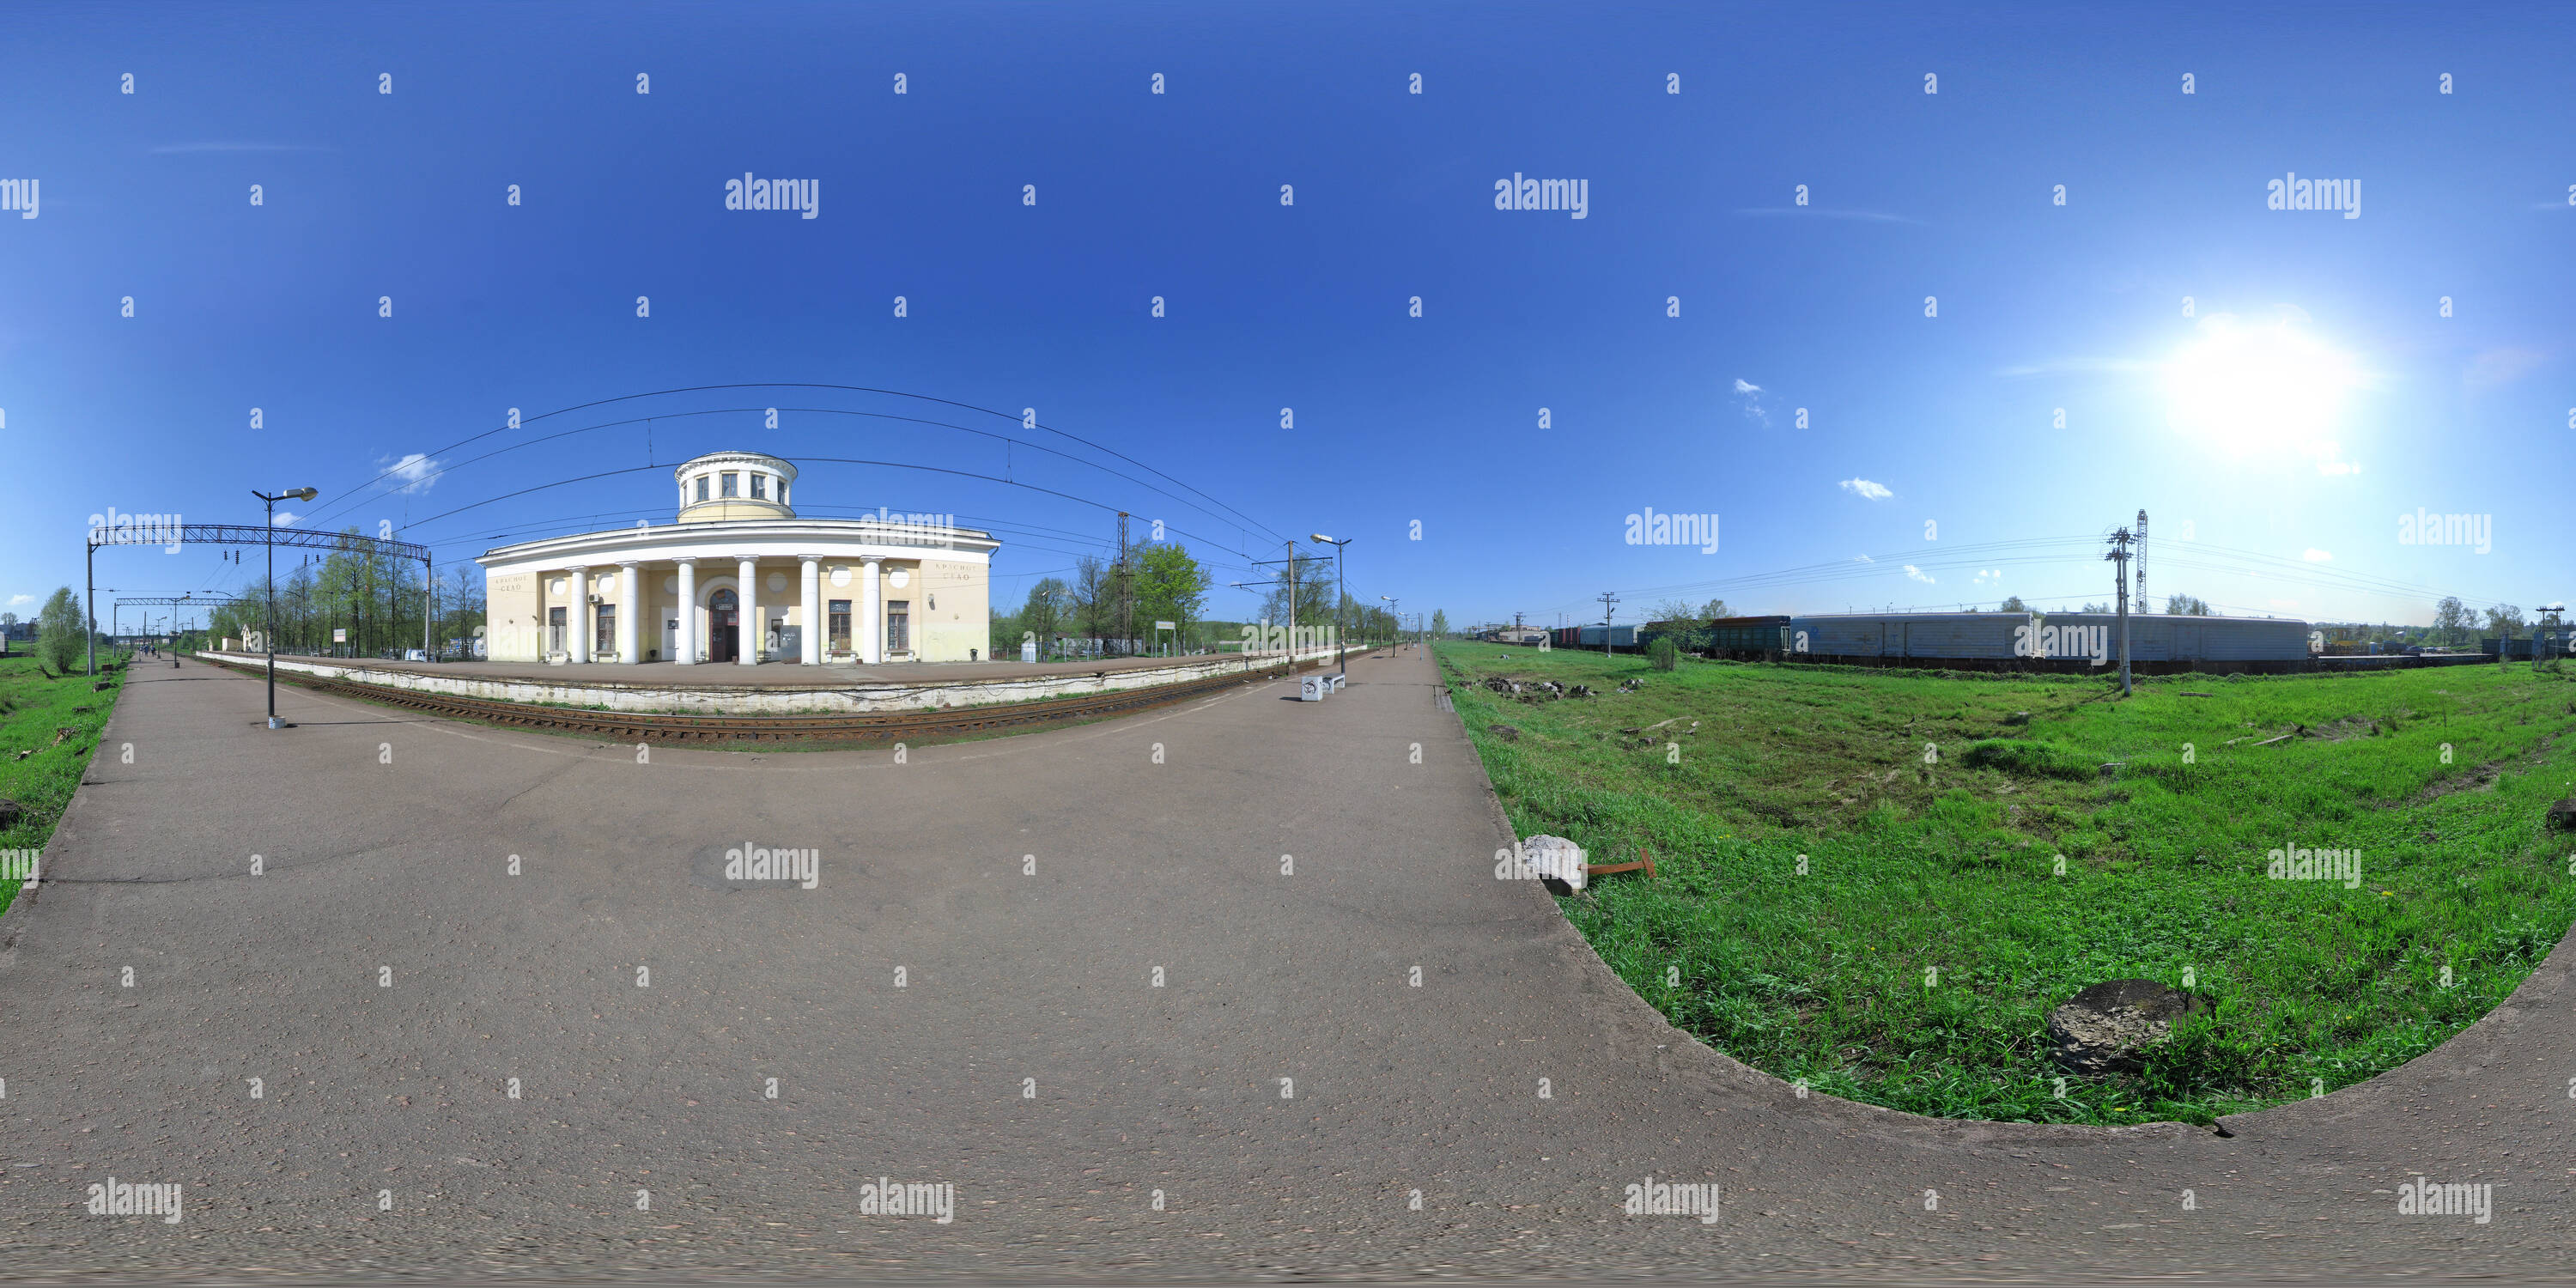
747, 589
630, 607
688, 642
871, 639
811, 653
577, 620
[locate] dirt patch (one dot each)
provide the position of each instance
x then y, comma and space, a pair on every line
2341, 729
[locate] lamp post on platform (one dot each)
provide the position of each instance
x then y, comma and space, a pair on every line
268, 628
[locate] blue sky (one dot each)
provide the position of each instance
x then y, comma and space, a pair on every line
2296, 468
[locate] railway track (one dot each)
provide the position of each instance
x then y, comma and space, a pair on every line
931, 725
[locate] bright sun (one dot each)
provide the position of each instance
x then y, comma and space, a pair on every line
2249, 388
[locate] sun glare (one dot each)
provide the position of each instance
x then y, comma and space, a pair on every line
2253, 388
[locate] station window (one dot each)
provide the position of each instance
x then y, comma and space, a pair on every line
898, 626
840, 626
607, 631
729, 487
702, 487
759, 487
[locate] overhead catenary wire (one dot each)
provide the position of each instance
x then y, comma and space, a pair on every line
361, 490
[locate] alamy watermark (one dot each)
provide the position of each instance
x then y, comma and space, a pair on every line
2425, 528
1652, 529
914, 528
2421, 1197
1674, 1198
114, 529
2296, 863
747, 862
887, 1197
748, 193
1573, 196
2063, 641
22, 865
117, 1198
19, 195
2295, 193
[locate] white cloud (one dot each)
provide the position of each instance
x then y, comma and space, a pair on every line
413, 473
286, 520
21, 601
2315, 555
1819, 212
1866, 490
1863, 559
1985, 575
1751, 396
1918, 574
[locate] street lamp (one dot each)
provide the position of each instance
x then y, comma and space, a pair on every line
1341, 591
268, 631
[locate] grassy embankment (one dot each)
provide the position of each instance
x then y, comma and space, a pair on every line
32, 711
1953, 864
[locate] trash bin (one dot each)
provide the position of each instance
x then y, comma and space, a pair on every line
1310, 688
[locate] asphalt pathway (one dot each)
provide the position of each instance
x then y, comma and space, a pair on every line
968, 996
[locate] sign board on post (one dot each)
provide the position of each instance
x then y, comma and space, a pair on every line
1028, 650
339, 634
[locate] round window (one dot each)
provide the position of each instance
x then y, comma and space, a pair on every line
777, 581
840, 576
899, 578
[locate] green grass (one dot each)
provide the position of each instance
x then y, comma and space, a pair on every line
1952, 862
32, 708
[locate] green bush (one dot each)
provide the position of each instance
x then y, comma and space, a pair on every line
1661, 653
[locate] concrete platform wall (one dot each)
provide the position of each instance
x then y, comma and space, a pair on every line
746, 699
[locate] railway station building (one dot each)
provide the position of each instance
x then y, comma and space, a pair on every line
738, 579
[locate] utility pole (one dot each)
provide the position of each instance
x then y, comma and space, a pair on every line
2143, 605
1126, 604
2120, 555
1609, 602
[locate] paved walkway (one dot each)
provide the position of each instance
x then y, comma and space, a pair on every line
933, 1012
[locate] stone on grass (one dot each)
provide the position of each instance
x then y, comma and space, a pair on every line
2107, 1027
1556, 861
10, 812
2562, 815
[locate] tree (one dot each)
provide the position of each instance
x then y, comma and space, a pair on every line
1439, 624
2186, 606
60, 633
1170, 587
2095, 608
1671, 610
1716, 608
2451, 619
2504, 621
1095, 601
1049, 603
2013, 604
1314, 587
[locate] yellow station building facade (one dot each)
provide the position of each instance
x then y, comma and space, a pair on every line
738, 579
